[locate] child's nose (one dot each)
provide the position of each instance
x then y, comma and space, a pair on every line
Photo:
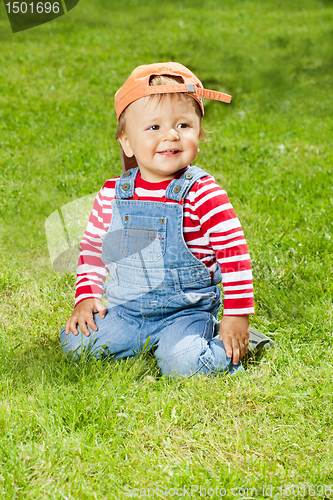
172, 135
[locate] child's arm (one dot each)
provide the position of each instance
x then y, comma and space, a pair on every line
222, 229
91, 272
223, 242
235, 333
83, 316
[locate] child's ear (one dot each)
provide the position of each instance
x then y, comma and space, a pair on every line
123, 139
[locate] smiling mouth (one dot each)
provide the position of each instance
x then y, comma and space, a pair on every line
169, 152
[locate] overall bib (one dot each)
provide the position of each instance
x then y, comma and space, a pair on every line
159, 293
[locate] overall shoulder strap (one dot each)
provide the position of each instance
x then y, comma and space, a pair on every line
126, 183
178, 188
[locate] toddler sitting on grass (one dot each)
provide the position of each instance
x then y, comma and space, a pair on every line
166, 234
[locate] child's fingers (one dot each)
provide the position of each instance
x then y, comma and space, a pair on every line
227, 345
84, 329
85, 319
236, 351
92, 324
244, 345
234, 347
71, 326
240, 350
101, 309
244, 348
68, 326
235, 333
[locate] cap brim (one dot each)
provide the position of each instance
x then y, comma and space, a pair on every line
127, 162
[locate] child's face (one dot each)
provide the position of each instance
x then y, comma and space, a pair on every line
163, 136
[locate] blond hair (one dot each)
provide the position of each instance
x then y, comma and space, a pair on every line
164, 80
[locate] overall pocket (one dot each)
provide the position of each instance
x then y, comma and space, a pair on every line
143, 238
185, 303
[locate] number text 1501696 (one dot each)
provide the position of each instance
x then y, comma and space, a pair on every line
39, 8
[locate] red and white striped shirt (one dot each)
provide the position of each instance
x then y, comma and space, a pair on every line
211, 231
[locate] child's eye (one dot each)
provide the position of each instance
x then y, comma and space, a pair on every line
154, 127
183, 125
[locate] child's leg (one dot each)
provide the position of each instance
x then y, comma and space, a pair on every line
188, 347
115, 336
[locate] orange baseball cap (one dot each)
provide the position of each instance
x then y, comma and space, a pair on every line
138, 86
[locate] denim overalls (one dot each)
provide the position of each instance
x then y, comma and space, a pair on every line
159, 293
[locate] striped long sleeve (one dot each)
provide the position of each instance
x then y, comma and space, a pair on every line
221, 240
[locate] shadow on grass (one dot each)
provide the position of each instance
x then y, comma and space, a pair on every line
44, 366
44, 363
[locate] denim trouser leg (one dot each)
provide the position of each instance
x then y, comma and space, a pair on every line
187, 347
114, 336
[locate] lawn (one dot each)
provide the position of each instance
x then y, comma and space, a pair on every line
97, 429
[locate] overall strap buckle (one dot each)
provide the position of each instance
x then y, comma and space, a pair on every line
178, 188
125, 185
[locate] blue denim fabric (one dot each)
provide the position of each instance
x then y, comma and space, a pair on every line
159, 293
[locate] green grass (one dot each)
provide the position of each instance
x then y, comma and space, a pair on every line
87, 430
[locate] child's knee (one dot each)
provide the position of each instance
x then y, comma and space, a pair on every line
196, 357
73, 344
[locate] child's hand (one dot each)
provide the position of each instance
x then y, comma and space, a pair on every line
83, 316
235, 334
